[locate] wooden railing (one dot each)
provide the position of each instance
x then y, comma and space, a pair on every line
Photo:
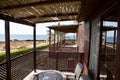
58, 60
45, 60
20, 67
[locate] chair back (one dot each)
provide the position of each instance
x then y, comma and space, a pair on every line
78, 70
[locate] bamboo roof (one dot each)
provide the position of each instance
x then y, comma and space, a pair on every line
37, 11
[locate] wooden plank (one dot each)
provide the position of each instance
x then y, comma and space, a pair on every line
56, 20
9, 18
50, 15
36, 3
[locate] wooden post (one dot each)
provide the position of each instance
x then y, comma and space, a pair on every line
54, 40
7, 42
60, 39
49, 39
34, 49
117, 58
114, 41
57, 40
90, 24
105, 42
100, 47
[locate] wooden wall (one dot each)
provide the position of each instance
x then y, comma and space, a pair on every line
80, 38
94, 48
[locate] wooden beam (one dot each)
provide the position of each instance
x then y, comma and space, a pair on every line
56, 20
36, 3
104, 9
9, 18
50, 15
99, 7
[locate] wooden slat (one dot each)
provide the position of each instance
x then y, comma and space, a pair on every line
56, 20
36, 3
9, 18
50, 15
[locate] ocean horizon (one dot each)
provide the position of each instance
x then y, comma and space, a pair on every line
38, 37
23, 37
28, 37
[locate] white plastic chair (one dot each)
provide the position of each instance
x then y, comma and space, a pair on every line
78, 70
76, 74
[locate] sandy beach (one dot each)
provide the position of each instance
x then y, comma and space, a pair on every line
14, 45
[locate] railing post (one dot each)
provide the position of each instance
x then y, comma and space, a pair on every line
34, 49
50, 40
7, 42
54, 40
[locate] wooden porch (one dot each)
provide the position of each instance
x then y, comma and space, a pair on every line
90, 16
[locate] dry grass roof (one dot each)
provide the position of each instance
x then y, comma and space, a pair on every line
38, 11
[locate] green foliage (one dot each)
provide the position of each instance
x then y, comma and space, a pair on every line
2, 56
42, 47
20, 52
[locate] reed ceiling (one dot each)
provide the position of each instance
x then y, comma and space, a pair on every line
37, 11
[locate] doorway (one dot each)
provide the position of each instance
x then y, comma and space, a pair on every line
108, 50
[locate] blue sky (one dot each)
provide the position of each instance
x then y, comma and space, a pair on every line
41, 28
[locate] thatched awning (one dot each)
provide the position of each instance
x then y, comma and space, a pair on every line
38, 11
65, 28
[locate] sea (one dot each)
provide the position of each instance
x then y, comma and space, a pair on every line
29, 37
39, 37
110, 39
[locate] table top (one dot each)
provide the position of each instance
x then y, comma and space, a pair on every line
49, 75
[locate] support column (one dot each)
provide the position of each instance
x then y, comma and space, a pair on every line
105, 42
60, 39
117, 58
34, 49
54, 40
100, 48
57, 40
49, 39
114, 41
7, 42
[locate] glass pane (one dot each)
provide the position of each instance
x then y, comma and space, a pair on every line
107, 55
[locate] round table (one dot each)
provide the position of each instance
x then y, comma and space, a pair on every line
49, 75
